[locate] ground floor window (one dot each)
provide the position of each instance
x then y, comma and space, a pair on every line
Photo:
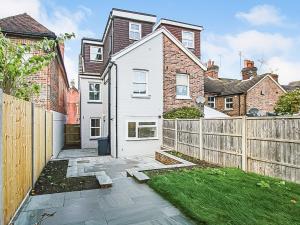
142, 130
229, 103
95, 126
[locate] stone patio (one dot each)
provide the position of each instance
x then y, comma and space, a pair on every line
125, 203
77, 153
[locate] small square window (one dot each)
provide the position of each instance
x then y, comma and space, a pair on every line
94, 91
96, 53
188, 39
182, 86
135, 31
211, 101
229, 103
95, 127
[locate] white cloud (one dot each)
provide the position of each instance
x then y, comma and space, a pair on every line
13, 7
275, 49
262, 15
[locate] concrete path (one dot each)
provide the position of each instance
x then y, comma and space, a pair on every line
77, 153
126, 203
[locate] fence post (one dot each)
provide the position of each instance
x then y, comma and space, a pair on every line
201, 139
244, 143
46, 136
176, 123
1, 161
32, 142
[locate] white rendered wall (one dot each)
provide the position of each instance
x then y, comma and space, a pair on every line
148, 56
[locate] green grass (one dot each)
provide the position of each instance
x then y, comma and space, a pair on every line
229, 196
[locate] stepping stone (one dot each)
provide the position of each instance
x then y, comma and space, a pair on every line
104, 180
130, 172
141, 177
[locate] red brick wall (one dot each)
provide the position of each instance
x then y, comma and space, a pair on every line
176, 61
264, 95
73, 101
121, 32
177, 32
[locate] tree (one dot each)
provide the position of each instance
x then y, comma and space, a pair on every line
289, 103
184, 113
17, 64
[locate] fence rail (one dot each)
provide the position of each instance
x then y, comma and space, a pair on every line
265, 145
26, 147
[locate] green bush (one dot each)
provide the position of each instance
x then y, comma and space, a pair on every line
184, 113
289, 103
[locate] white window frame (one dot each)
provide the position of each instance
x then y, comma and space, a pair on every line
211, 102
137, 126
226, 102
98, 47
100, 129
134, 82
140, 30
193, 40
91, 100
188, 87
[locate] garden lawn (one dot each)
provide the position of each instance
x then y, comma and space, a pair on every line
229, 196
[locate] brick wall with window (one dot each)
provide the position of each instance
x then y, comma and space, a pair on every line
183, 78
179, 32
93, 58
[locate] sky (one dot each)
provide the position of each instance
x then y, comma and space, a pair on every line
267, 32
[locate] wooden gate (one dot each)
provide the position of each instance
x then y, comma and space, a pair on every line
72, 136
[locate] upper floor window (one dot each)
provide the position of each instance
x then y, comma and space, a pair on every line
211, 101
188, 39
96, 53
94, 91
229, 103
140, 82
182, 86
135, 31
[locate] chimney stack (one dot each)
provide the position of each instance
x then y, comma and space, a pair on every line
274, 76
212, 70
249, 69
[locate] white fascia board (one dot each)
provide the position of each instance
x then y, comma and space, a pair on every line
92, 42
134, 16
154, 34
284, 91
177, 24
81, 76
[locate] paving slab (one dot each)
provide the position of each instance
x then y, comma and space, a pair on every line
45, 201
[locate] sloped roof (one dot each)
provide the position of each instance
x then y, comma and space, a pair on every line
24, 25
292, 86
230, 86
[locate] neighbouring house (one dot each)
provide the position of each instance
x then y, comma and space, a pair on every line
73, 101
292, 86
23, 29
236, 97
135, 73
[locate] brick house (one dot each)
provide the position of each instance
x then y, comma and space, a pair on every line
236, 97
23, 29
135, 73
73, 102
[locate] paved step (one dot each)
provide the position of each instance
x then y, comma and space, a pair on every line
141, 177
130, 172
104, 180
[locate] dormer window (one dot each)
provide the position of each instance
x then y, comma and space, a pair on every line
135, 31
188, 39
96, 53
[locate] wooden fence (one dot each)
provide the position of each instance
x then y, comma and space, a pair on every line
26, 148
265, 145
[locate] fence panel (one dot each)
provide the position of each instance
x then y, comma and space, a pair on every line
169, 134
273, 147
17, 153
72, 135
39, 159
188, 141
222, 141
264, 145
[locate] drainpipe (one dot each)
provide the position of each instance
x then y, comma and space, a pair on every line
113, 63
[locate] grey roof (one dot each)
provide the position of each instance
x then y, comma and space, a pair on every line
292, 86
225, 86
24, 25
